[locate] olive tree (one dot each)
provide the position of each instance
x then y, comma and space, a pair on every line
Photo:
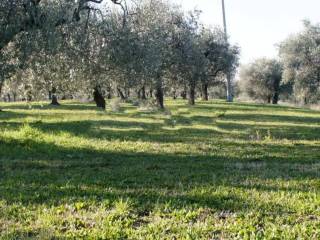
300, 54
221, 59
261, 79
156, 38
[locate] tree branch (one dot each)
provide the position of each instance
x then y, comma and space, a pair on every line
31, 19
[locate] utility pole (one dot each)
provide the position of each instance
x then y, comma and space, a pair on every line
229, 80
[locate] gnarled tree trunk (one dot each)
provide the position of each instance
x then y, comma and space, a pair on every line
143, 93
127, 93
159, 95
269, 99
204, 89
109, 93
276, 86
174, 94
98, 98
184, 93
28, 93
192, 93
1, 84
120, 94
275, 98
0, 90
54, 98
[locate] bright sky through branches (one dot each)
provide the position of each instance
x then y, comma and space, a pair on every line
257, 25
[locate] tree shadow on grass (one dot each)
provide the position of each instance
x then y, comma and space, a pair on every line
6, 115
296, 133
249, 107
41, 171
121, 130
44, 173
274, 118
156, 132
46, 106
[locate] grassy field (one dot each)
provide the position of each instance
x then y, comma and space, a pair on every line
213, 171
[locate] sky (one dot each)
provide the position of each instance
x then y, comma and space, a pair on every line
257, 26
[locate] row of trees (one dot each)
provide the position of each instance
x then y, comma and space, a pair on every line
88, 47
295, 76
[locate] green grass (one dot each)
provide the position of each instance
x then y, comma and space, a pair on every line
213, 171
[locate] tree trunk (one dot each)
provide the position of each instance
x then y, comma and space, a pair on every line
143, 93
109, 94
184, 95
29, 96
139, 94
275, 98
205, 96
159, 96
120, 93
268, 99
276, 88
54, 99
1, 83
192, 93
127, 93
98, 98
174, 95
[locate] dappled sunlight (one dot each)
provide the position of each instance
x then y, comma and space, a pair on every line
119, 129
